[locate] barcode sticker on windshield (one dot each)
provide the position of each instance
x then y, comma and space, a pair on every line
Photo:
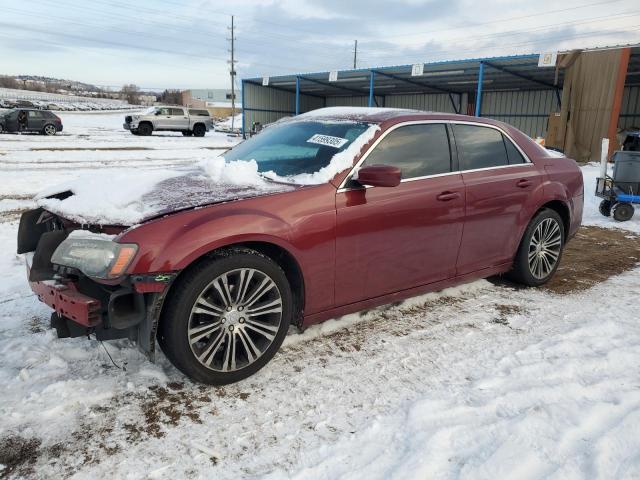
335, 142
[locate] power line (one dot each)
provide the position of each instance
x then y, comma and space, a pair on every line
526, 31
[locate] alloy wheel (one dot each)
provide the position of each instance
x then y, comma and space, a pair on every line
544, 248
49, 130
235, 319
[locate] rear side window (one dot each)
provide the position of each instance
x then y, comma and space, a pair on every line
481, 147
418, 150
34, 114
514, 155
198, 113
177, 111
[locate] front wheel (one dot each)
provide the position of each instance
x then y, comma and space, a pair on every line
605, 208
227, 317
540, 250
145, 129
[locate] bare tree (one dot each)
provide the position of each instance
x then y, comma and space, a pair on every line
131, 93
171, 97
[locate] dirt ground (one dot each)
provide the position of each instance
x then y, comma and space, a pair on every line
594, 255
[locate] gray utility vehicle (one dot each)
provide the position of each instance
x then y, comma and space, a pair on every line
190, 121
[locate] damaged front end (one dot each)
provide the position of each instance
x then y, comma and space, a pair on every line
81, 273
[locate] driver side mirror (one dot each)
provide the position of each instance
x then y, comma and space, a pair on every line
379, 176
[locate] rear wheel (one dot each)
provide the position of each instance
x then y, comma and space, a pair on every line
49, 129
540, 250
622, 212
605, 208
227, 317
199, 130
145, 129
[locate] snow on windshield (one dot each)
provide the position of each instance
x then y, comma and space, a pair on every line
248, 170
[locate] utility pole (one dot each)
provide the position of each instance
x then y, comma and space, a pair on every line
355, 55
232, 72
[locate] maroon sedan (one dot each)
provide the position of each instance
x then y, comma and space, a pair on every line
353, 208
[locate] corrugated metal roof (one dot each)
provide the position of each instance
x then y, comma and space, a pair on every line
451, 76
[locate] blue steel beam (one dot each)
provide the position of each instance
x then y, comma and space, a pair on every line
479, 91
333, 85
242, 97
372, 80
297, 95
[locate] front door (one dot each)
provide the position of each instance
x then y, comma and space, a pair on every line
500, 186
396, 238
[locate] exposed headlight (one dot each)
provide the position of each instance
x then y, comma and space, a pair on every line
95, 257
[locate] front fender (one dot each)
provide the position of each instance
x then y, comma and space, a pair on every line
174, 242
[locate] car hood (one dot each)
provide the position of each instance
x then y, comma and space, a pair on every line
123, 199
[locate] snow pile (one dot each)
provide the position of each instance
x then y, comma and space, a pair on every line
106, 199
237, 172
225, 125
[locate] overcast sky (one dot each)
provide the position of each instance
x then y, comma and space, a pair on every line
183, 44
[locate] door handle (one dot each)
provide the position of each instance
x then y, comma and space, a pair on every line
447, 196
524, 183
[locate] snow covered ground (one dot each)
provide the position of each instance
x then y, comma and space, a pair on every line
480, 381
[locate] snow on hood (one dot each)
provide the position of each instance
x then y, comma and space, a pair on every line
132, 196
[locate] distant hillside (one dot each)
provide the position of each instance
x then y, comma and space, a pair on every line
46, 84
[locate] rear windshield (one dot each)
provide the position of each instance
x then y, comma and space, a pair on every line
199, 113
294, 148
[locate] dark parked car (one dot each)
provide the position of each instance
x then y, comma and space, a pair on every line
34, 121
428, 201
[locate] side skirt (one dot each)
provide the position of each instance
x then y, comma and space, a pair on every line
403, 294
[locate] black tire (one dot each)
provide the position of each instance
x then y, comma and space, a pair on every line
199, 130
49, 129
622, 211
179, 315
145, 129
187, 133
522, 269
134, 132
605, 208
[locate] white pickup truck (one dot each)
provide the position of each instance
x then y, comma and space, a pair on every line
189, 121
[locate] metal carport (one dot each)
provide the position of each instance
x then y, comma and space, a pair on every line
513, 89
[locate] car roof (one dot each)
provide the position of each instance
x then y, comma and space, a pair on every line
387, 116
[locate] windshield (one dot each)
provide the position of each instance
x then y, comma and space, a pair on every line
149, 111
299, 147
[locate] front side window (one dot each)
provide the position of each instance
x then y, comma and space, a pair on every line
295, 148
481, 147
418, 150
164, 111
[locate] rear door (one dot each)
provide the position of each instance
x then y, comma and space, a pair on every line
392, 239
35, 120
179, 119
500, 184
